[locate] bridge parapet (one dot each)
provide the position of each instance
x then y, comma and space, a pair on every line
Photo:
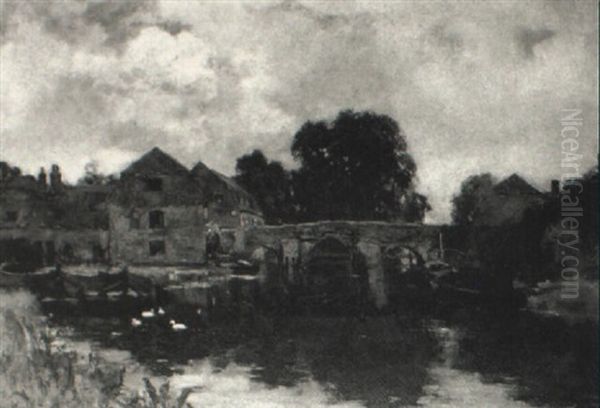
420, 237
368, 243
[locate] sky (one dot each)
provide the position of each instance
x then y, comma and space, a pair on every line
475, 86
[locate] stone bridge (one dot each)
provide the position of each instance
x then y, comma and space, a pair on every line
327, 253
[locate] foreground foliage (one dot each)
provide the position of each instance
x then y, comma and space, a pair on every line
36, 370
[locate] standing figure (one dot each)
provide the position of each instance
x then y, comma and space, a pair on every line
213, 244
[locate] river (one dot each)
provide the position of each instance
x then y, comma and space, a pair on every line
241, 356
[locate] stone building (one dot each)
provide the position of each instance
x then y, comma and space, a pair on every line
160, 212
41, 223
511, 199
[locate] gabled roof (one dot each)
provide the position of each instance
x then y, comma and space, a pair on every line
155, 162
206, 178
515, 185
201, 170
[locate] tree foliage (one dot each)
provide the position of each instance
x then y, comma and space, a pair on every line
356, 167
93, 177
473, 201
8, 172
269, 183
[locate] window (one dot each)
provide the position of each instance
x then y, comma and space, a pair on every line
154, 184
50, 253
156, 219
12, 216
156, 247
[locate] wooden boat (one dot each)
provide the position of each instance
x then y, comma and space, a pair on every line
242, 267
110, 304
98, 283
25, 279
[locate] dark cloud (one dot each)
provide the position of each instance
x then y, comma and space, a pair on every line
116, 21
321, 19
174, 27
7, 23
94, 23
114, 16
444, 37
528, 38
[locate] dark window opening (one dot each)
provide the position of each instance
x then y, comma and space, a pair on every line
220, 206
156, 247
67, 254
156, 219
97, 252
50, 253
154, 184
12, 216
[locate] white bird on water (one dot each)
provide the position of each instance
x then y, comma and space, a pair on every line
161, 311
148, 314
177, 326
135, 322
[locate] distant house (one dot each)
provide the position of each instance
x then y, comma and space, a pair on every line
22, 203
512, 197
41, 223
160, 211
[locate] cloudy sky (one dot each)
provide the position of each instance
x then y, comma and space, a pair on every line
476, 86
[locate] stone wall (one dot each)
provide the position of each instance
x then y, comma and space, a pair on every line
50, 245
423, 239
183, 235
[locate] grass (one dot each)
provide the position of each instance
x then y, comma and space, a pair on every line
35, 371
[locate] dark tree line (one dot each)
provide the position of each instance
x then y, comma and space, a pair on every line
528, 244
355, 167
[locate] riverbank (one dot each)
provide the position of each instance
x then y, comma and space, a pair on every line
40, 369
547, 299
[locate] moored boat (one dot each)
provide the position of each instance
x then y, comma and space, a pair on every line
10, 279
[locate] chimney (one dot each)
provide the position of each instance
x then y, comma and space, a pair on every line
554, 187
55, 179
42, 179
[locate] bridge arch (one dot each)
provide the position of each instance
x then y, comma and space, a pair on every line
403, 257
403, 266
335, 269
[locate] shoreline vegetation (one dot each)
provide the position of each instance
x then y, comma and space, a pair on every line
37, 370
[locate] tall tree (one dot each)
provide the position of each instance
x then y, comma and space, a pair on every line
92, 176
7, 171
269, 183
472, 202
356, 167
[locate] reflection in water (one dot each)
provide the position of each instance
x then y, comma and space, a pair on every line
233, 386
239, 353
456, 388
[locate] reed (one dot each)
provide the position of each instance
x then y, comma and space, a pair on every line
36, 371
